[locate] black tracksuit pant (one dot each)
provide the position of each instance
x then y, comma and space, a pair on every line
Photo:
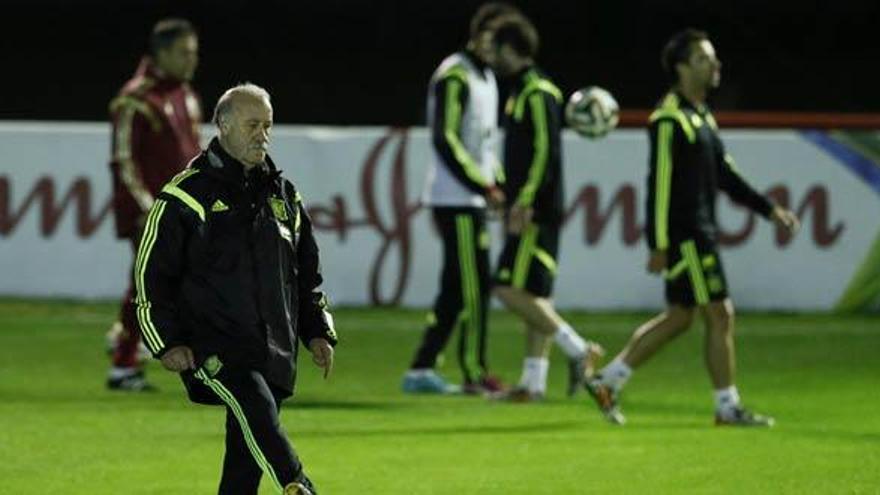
256, 444
463, 300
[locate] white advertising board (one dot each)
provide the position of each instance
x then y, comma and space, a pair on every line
362, 186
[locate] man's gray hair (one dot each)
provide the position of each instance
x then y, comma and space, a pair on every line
225, 103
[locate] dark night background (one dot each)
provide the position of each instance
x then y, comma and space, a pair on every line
368, 62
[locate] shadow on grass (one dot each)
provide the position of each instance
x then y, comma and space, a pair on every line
825, 434
682, 408
543, 427
97, 397
340, 405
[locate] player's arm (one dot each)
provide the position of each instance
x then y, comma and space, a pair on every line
315, 323
452, 94
731, 181
134, 119
660, 164
158, 265
544, 120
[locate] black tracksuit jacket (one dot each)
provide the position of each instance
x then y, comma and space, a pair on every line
533, 145
228, 265
688, 165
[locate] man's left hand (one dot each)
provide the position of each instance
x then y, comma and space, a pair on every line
786, 219
322, 355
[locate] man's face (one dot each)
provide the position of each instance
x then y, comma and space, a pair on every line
485, 48
180, 59
246, 133
506, 59
703, 68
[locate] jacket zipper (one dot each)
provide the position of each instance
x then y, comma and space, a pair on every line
253, 259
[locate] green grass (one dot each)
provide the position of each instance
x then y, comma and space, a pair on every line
61, 432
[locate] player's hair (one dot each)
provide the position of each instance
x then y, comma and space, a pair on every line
225, 104
678, 50
167, 31
517, 31
487, 13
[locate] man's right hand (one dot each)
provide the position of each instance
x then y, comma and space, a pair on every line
178, 358
657, 261
518, 218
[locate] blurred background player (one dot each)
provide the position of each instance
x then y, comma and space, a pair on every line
688, 165
461, 184
155, 122
534, 188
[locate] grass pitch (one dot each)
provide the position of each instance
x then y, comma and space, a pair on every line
61, 432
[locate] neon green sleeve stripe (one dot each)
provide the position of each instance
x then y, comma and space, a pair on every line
711, 120
680, 117
534, 85
541, 144
450, 132
549, 87
731, 164
662, 184
186, 173
186, 198
456, 72
151, 336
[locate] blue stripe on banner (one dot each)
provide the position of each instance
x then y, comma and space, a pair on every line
858, 164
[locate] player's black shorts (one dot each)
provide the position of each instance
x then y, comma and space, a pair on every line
695, 275
528, 261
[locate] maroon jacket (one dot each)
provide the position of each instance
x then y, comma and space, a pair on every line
155, 134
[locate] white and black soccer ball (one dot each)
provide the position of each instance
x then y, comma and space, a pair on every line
592, 112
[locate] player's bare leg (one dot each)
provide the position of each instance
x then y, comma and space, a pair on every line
537, 344
719, 347
541, 317
720, 358
532, 384
649, 338
537, 312
654, 334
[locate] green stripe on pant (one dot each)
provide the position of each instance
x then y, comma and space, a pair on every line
470, 290
524, 256
695, 270
227, 397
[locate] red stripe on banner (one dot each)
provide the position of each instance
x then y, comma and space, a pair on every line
771, 120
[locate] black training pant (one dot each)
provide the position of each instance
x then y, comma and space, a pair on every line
463, 300
256, 444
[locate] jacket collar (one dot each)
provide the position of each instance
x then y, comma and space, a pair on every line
522, 76
148, 68
223, 166
684, 102
475, 60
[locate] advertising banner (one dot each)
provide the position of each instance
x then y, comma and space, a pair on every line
363, 189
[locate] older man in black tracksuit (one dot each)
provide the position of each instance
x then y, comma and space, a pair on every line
227, 277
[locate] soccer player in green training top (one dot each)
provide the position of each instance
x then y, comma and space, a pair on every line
534, 187
688, 165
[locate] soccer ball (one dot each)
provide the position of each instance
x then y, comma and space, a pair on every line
591, 112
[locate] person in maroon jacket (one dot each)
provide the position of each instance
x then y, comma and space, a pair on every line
155, 118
